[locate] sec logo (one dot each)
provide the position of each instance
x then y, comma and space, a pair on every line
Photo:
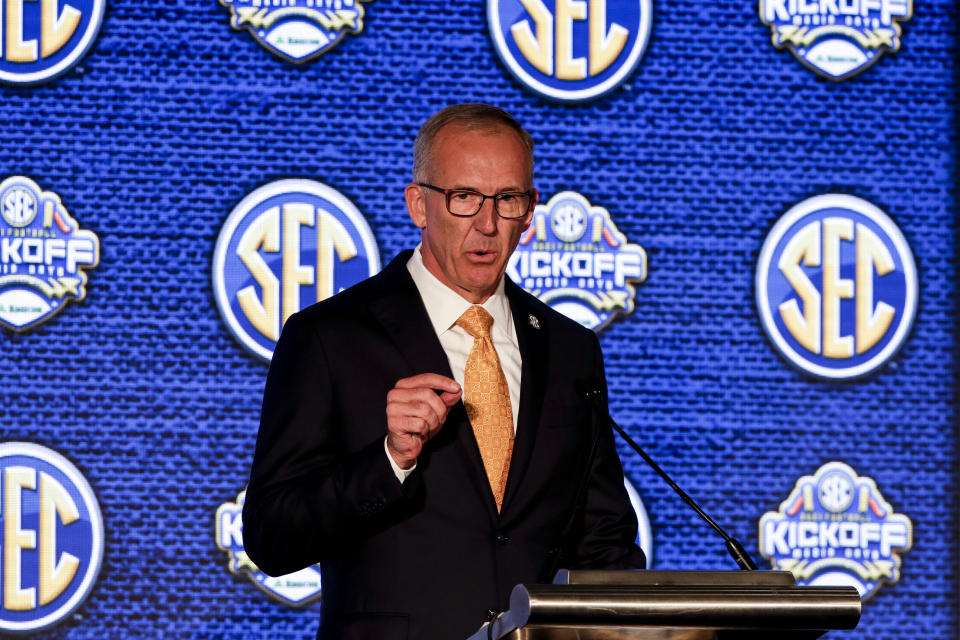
836, 529
287, 245
294, 589
44, 39
52, 537
574, 258
297, 30
44, 254
836, 39
836, 286
570, 50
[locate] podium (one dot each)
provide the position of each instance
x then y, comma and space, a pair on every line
673, 605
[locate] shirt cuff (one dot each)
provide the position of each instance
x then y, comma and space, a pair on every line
400, 473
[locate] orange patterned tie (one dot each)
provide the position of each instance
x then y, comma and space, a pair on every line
487, 399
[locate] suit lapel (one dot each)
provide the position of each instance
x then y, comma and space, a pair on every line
532, 339
400, 311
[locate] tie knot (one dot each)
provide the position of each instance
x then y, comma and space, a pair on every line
476, 321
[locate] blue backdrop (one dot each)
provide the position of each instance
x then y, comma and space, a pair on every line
173, 117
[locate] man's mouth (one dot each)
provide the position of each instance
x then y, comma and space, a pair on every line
482, 255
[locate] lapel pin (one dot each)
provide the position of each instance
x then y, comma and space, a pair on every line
534, 322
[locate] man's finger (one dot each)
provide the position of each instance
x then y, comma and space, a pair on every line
424, 403
450, 398
415, 426
430, 381
406, 418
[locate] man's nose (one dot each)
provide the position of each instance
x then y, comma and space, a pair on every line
486, 219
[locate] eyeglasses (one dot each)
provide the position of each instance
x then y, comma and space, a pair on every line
465, 203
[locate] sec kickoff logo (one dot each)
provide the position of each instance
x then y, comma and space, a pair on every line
570, 50
297, 30
835, 529
836, 286
575, 259
295, 589
41, 40
52, 537
287, 245
836, 38
43, 254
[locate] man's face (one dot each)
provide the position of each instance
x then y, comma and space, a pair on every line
469, 255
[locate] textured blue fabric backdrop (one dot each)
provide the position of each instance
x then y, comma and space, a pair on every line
172, 118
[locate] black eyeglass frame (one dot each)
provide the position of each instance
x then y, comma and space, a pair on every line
496, 200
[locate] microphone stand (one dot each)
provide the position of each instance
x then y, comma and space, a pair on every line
734, 548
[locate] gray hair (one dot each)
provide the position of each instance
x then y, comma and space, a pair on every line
469, 116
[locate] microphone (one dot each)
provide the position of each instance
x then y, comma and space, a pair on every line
592, 390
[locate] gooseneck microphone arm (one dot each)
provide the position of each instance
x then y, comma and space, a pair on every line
734, 548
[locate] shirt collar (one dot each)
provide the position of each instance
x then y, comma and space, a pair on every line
445, 306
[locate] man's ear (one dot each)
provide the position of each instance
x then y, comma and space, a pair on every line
416, 204
534, 197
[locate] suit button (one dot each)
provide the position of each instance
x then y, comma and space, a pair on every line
502, 538
368, 508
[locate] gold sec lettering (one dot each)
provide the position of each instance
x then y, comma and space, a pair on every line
804, 327
295, 215
16, 540
17, 49
550, 51
56, 29
277, 230
333, 240
835, 288
605, 45
262, 312
817, 328
537, 49
55, 573
872, 322
568, 67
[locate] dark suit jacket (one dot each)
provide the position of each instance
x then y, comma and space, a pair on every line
425, 559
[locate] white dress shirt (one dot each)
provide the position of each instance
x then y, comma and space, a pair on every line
444, 307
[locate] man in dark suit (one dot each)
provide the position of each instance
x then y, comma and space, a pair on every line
421, 434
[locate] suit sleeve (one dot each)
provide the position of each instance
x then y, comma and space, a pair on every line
308, 499
608, 529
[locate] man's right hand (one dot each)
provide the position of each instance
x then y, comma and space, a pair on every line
416, 409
